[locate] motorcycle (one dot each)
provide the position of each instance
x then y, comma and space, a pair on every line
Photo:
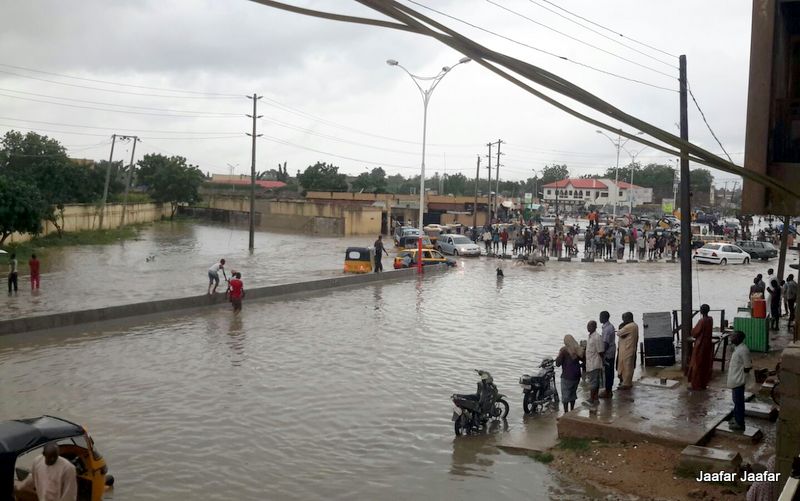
472, 411
540, 389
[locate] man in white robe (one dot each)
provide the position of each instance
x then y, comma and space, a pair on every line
52, 477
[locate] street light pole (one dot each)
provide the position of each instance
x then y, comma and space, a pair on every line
633, 166
426, 96
618, 144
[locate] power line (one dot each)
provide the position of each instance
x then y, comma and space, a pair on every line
80, 126
115, 91
610, 30
543, 51
15, 127
106, 109
118, 83
707, 124
209, 113
631, 61
672, 65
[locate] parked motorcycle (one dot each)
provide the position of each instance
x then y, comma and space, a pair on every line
540, 389
472, 411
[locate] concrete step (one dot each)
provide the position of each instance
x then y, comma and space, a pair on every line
587, 260
750, 433
632, 261
696, 459
659, 383
761, 411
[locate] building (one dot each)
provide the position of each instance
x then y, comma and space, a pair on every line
582, 193
242, 179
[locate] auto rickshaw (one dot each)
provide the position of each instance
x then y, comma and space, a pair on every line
359, 260
21, 438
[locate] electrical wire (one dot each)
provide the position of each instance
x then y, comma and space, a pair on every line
583, 42
16, 127
610, 30
209, 113
114, 91
535, 2
118, 83
703, 115
543, 51
80, 126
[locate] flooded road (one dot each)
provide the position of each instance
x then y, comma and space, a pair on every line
336, 395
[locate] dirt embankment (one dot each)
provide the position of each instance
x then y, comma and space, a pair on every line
635, 471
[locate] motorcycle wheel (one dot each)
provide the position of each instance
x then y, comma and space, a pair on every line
502, 405
461, 426
527, 404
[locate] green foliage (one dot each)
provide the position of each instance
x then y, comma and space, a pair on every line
700, 180
553, 173
656, 176
574, 444
170, 180
21, 208
542, 457
322, 177
370, 182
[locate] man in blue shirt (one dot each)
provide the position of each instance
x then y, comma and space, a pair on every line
609, 342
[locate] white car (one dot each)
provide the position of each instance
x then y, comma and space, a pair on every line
458, 245
721, 253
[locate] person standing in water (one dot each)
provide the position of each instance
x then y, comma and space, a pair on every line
236, 292
12, 273
33, 265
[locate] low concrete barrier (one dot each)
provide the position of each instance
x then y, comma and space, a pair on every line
72, 318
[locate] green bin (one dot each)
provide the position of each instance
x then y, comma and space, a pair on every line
756, 332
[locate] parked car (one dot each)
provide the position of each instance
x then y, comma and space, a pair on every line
403, 231
721, 253
758, 250
458, 245
412, 242
408, 258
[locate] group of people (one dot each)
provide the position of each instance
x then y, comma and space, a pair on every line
598, 358
781, 296
13, 273
610, 242
526, 239
235, 289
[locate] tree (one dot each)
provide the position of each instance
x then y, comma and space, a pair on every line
170, 180
322, 177
553, 173
21, 208
371, 182
700, 180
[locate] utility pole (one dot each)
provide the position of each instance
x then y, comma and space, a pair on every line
128, 178
108, 179
475, 207
497, 191
489, 205
686, 224
784, 242
254, 116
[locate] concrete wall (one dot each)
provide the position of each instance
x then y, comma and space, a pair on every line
58, 320
787, 445
81, 217
306, 216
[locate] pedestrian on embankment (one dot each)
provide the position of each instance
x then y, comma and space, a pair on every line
33, 266
739, 366
213, 275
570, 359
774, 304
791, 297
12, 273
594, 363
628, 335
699, 374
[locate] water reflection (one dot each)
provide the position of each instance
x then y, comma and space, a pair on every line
474, 455
236, 339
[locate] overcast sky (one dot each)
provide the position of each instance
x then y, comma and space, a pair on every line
329, 95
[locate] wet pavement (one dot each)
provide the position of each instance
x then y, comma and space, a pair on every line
335, 395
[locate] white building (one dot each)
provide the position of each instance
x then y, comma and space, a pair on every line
581, 193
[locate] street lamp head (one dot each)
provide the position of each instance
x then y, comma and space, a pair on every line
392, 62
464, 60
599, 131
445, 68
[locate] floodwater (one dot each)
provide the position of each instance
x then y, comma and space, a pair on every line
95, 276
335, 395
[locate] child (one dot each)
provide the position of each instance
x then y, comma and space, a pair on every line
740, 365
236, 292
33, 265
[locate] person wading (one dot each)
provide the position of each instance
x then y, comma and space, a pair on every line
628, 334
380, 250
569, 359
236, 291
33, 265
702, 351
12, 273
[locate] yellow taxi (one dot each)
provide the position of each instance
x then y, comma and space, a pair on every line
408, 258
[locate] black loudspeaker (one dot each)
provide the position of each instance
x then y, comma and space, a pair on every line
659, 352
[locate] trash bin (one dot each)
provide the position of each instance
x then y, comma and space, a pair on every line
756, 332
759, 308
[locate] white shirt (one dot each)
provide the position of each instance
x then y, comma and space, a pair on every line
740, 360
215, 268
594, 347
57, 482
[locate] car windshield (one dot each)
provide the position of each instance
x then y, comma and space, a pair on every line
712, 246
461, 240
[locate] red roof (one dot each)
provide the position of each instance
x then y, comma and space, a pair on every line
581, 184
259, 182
625, 186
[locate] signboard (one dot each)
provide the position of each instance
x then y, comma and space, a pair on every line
667, 205
528, 198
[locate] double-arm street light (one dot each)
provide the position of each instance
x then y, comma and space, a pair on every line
431, 83
633, 156
618, 144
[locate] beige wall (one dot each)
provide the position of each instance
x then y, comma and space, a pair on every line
81, 217
305, 215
